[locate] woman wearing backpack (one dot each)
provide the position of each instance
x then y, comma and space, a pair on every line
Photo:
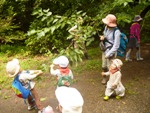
134, 41
111, 43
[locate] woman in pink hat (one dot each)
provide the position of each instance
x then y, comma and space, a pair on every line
134, 41
111, 43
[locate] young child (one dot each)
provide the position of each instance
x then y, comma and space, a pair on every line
14, 69
114, 84
70, 100
62, 62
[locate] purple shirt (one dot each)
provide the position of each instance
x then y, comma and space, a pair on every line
135, 30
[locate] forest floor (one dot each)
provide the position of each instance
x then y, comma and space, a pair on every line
136, 79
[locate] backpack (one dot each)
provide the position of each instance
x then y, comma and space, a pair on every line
64, 80
19, 89
123, 44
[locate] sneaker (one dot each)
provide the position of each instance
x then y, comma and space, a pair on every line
42, 111
118, 97
31, 107
106, 98
139, 59
128, 60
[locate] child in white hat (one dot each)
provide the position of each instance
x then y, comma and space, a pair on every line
114, 84
25, 77
70, 100
63, 73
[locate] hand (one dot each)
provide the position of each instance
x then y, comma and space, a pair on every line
38, 72
106, 57
114, 86
52, 65
101, 37
103, 74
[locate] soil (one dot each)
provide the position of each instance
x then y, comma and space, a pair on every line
136, 79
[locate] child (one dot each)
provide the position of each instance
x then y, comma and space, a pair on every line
114, 84
62, 70
70, 100
13, 69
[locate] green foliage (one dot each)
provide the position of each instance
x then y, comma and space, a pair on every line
47, 23
8, 29
50, 35
13, 50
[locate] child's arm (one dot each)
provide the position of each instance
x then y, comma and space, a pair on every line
105, 73
71, 74
30, 76
37, 72
52, 70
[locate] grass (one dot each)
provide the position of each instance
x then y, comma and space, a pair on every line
40, 62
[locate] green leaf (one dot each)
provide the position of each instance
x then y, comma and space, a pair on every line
42, 99
55, 20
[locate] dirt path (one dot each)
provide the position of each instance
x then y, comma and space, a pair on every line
136, 79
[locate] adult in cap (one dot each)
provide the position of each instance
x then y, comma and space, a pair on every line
111, 42
135, 39
70, 100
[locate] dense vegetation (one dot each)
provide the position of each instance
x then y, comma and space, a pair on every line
42, 25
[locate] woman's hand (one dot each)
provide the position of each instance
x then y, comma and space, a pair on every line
103, 73
101, 37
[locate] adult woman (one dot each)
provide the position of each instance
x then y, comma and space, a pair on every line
111, 43
134, 41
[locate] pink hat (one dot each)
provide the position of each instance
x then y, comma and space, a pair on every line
110, 20
48, 109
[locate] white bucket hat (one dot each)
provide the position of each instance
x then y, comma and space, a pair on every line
117, 62
62, 61
12, 67
70, 99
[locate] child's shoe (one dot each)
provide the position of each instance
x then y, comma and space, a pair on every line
42, 111
118, 97
31, 107
106, 98
139, 59
128, 60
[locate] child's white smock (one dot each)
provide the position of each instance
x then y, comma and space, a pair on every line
25, 77
115, 79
